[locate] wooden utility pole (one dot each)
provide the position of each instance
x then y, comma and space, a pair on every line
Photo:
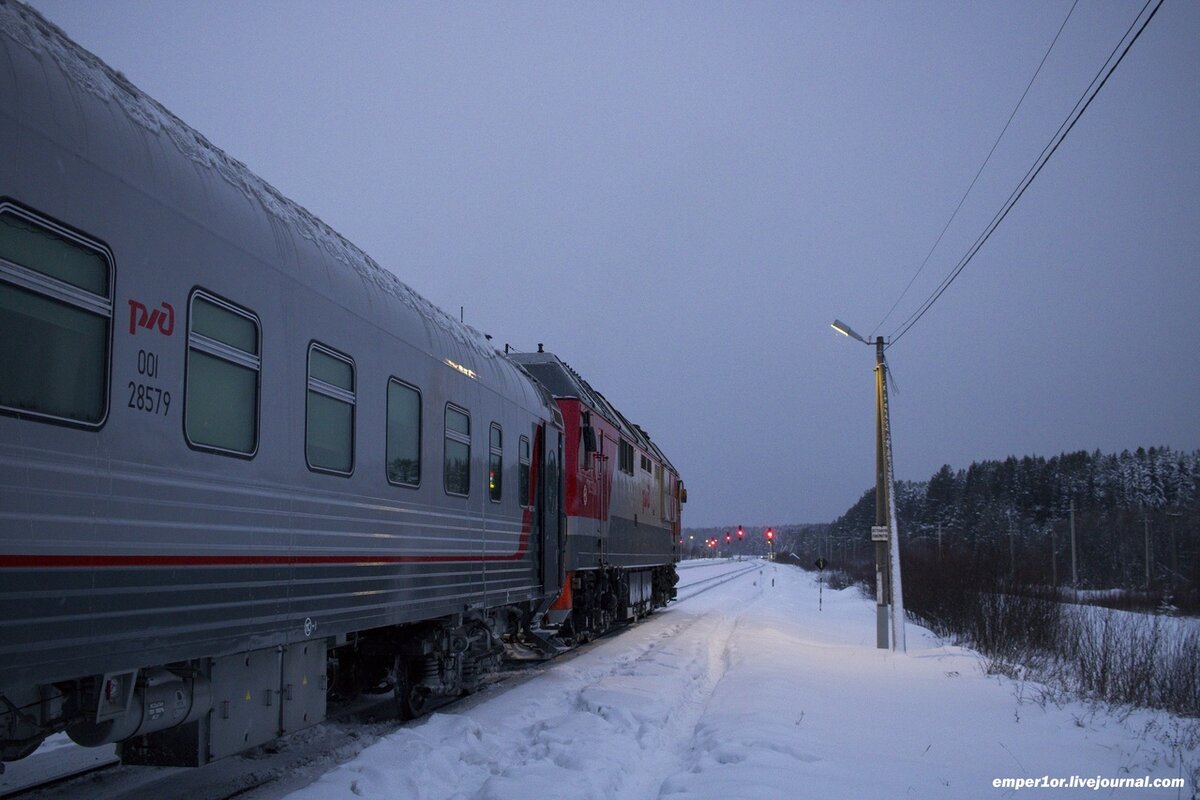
1074, 569
885, 534
893, 600
1012, 553
1053, 557
1149, 556
879, 533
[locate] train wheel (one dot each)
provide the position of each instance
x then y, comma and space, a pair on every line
410, 700
346, 677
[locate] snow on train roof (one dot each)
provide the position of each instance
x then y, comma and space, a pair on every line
28, 28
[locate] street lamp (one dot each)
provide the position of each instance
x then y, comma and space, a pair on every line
846, 330
884, 533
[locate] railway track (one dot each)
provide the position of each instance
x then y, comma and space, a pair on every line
692, 588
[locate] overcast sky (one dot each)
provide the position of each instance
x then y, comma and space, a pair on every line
678, 198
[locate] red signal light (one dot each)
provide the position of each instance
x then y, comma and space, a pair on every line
728, 538
770, 534
741, 532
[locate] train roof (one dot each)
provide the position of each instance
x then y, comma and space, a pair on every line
562, 381
89, 108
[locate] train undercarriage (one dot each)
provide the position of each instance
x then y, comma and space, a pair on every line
598, 600
191, 713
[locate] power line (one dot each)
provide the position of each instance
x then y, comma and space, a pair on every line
963, 199
1063, 130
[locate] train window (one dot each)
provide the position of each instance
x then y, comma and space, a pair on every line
625, 457
457, 474
645, 464
55, 321
495, 463
403, 434
220, 411
329, 415
523, 476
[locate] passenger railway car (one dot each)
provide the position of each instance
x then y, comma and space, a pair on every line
243, 468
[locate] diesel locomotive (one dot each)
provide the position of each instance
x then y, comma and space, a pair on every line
244, 469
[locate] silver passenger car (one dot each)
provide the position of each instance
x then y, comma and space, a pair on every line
233, 449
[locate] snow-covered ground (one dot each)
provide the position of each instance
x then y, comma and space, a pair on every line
746, 690
741, 689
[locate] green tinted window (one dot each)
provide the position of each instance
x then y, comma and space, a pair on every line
221, 399
44, 251
329, 420
53, 339
458, 422
403, 434
53, 356
215, 322
334, 371
495, 464
495, 476
329, 433
523, 472
457, 472
222, 402
458, 467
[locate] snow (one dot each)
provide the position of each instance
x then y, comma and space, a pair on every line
746, 690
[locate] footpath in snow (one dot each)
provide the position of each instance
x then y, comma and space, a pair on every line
746, 690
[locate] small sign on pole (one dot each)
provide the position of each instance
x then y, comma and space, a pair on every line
879, 533
820, 565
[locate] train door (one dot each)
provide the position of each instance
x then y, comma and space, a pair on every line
663, 516
550, 492
606, 490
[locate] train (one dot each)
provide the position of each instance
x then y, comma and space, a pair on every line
245, 470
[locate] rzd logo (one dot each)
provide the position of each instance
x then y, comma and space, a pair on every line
141, 317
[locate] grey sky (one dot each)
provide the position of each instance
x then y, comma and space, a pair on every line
677, 198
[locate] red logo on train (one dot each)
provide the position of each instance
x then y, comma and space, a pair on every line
142, 317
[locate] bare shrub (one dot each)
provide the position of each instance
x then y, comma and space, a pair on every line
1022, 630
838, 579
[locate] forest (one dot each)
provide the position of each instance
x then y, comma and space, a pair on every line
1135, 515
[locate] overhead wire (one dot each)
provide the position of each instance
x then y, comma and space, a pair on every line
979, 172
1051, 147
